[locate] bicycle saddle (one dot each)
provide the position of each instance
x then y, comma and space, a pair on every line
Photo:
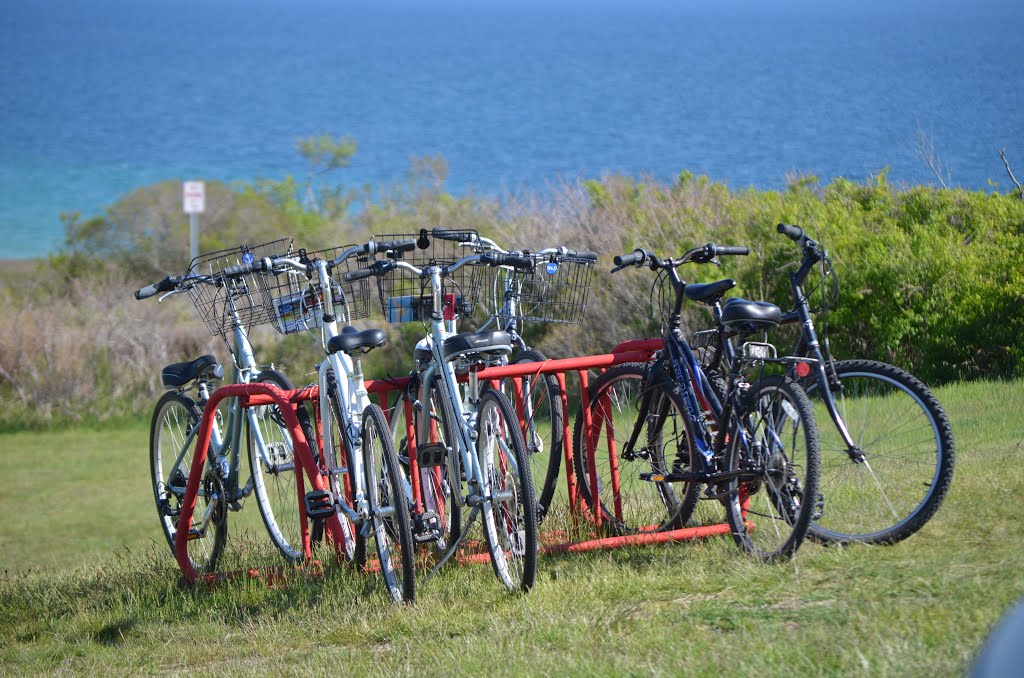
484, 344
352, 340
748, 317
709, 293
180, 374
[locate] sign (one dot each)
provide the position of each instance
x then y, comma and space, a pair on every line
194, 197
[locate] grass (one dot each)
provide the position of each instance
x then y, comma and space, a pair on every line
88, 586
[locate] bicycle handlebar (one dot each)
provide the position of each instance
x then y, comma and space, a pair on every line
515, 261
406, 245
379, 267
699, 255
635, 258
244, 269
582, 255
456, 236
165, 285
794, 233
731, 251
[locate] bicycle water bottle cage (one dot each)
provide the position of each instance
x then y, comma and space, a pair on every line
709, 293
471, 348
179, 374
747, 317
352, 341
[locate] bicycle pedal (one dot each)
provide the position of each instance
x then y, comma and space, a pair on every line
426, 527
195, 533
319, 504
431, 455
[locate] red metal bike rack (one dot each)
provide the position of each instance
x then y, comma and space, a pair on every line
252, 395
265, 394
639, 350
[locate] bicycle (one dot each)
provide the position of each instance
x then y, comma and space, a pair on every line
475, 439
229, 299
358, 456
887, 461
753, 444
555, 291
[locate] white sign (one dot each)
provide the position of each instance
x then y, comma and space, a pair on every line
194, 197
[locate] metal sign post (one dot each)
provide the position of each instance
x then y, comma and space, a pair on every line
194, 203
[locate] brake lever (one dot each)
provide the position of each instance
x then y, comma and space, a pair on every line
169, 294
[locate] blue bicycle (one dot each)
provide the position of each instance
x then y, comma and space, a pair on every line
748, 439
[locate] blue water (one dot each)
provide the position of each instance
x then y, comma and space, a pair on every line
100, 97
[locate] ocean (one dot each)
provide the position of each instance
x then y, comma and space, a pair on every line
98, 98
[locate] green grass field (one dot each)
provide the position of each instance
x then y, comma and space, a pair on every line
89, 586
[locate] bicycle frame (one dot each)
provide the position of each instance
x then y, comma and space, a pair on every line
445, 370
808, 343
227, 444
692, 380
349, 385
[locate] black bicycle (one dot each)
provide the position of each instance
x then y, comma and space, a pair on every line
750, 440
887, 461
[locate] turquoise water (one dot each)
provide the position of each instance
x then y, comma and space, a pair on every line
101, 97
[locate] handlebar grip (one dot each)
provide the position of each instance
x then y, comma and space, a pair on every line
407, 245
732, 250
165, 285
243, 269
637, 256
352, 276
379, 267
794, 233
581, 255
146, 292
457, 236
513, 260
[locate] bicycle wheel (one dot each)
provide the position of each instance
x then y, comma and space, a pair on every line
907, 443
339, 478
440, 520
638, 505
510, 512
171, 440
543, 422
389, 509
771, 502
273, 466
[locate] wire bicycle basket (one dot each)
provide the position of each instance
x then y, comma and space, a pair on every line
556, 291
298, 302
406, 297
248, 294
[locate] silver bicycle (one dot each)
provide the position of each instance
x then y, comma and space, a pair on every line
230, 299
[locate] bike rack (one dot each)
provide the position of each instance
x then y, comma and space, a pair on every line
639, 350
257, 394
252, 395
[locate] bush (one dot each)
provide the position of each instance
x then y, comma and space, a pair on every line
931, 278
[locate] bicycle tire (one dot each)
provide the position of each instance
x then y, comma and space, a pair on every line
544, 428
273, 480
389, 510
910, 454
769, 510
439, 486
642, 505
339, 485
174, 418
510, 523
